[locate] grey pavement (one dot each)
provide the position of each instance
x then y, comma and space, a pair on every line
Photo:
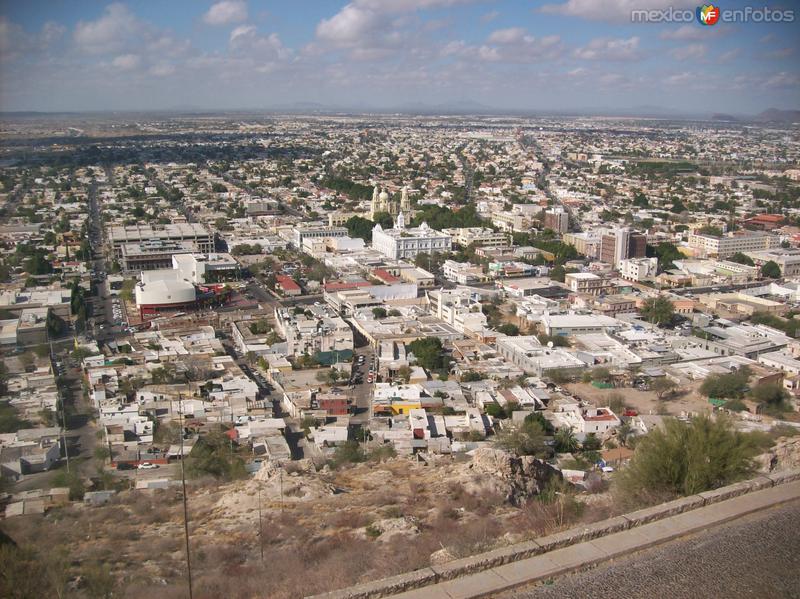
757, 556
661, 535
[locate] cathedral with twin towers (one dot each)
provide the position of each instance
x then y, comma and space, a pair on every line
383, 202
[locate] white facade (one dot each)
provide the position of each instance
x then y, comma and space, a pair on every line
638, 269
722, 247
400, 243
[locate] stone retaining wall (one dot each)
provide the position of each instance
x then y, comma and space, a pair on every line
504, 555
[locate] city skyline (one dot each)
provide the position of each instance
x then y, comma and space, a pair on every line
570, 56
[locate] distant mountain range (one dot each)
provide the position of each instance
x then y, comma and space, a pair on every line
771, 115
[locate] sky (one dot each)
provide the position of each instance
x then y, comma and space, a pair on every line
551, 55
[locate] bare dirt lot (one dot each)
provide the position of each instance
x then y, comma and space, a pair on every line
683, 401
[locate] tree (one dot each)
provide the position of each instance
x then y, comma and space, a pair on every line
558, 273
404, 373
726, 386
710, 230
677, 206
662, 386
379, 312
358, 226
741, 258
211, 456
666, 254
565, 440
527, 438
658, 310
471, 376
774, 399
591, 443
683, 459
509, 329
428, 352
771, 270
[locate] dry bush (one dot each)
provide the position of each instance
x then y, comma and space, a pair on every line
350, 519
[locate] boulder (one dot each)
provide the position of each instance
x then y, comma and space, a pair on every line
525, 476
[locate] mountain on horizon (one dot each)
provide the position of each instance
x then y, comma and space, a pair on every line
775, 115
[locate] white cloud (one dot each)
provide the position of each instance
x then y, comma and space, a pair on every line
780, 54
783, 79
507, 36
15, 41
490, 16
226, 12
616, 49
126, 62
693, 33
110, 32
246, 42
690, 52
681, 78
728, 56
162, 69
612, 10
363, 22
349, 26
513, 46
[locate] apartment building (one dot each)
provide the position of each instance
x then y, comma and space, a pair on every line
722, 247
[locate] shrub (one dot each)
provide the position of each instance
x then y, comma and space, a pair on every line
212, 456
524, 439
683, 459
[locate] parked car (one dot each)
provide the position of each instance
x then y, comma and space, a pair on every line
147, 466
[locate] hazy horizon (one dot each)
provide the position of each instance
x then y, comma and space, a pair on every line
557, 56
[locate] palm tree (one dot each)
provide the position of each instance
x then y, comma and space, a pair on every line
624, 432
565, 440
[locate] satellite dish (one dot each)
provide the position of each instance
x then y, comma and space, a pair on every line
550, 344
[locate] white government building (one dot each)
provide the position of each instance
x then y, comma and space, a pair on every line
400, 243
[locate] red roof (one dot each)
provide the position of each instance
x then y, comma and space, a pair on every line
344, 285
385, 275
287, 283
767, 218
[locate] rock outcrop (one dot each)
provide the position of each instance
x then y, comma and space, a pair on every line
785, 455
525, 476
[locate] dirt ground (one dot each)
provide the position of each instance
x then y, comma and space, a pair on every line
682, 402
321, 531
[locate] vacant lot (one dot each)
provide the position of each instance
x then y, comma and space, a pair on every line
684, 400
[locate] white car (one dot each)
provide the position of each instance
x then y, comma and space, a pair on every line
147, 466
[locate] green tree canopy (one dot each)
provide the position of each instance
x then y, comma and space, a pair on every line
527, 438
658, 310
741, 258
726, 386
771, 270
682, 459
428, 352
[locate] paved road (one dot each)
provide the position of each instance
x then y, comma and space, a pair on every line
757, 556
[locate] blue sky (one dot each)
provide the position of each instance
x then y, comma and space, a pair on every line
248, 54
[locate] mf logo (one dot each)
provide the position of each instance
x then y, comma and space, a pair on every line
708, 14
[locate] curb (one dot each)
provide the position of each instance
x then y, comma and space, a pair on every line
512, 553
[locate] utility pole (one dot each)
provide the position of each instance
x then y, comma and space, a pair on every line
185, 505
